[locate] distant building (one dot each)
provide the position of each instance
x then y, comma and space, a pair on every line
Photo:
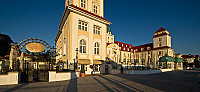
147, 54
190, 58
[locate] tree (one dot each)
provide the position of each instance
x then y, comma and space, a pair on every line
5, 46
197, 62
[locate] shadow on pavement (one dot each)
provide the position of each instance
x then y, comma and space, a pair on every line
168, 81
72, 87
106, 87
121, 85
15, 88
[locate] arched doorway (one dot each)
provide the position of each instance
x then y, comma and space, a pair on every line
34, 62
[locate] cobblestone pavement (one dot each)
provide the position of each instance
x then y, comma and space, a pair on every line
176, 81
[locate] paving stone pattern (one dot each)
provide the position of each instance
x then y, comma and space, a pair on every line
176, 81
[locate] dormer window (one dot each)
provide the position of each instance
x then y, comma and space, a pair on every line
142, 49
126, 45
136, 49
128, 49
122, 45
83, 3
148, 48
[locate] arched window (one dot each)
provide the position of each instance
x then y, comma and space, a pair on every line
82, 46
96, 48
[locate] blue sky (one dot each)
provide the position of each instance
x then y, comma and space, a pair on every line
133, 22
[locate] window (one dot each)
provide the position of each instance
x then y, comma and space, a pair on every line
83, 3
82, 46
159, 41
97, 30
159, 53
142, 49
82, 25
95, 8
97, 67
96, 48
179, 65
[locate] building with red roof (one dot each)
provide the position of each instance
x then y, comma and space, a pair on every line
190, 58
146, 54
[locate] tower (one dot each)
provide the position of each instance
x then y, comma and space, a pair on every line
161, 45
110, 36
81, 39
161, 38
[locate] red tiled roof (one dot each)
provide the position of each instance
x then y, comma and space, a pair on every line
144, 47
160, 35
108, 44
190, 56
88, 12
160, 48
124, 48
160, 30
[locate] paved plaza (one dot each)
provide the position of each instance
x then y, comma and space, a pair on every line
176, 81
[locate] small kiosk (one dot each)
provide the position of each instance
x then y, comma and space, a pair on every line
166, 62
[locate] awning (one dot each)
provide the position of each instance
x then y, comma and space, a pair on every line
84, 61
166, 58
178, 59
97, 62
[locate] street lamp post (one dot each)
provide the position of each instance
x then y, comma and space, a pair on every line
76, 58
127, 64
50, 65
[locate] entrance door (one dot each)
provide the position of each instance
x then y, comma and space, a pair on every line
35, 71
106, 69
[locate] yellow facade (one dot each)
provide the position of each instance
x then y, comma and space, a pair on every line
82, 37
